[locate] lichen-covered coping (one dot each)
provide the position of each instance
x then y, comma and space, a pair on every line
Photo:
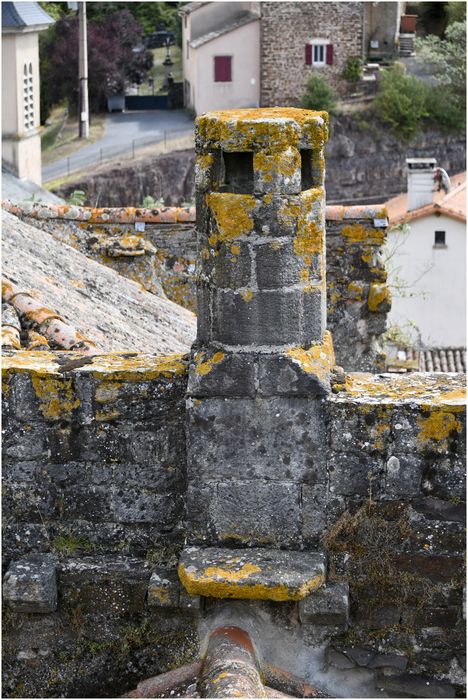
163, 215
115, 366
416, 388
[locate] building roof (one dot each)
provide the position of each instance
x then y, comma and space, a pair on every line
452, 204
428, 360
19, 15
63, 295
24, 190
191, 7
225, 29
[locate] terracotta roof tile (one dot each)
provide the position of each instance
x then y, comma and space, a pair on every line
40, 327
429, 360
452, 204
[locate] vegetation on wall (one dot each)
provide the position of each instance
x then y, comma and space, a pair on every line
353, 71
401, 101
319, 95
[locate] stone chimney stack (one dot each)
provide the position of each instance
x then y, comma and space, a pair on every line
420, 181
262, 342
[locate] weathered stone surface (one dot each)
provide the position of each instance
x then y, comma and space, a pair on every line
413, 686
30, 584
259, 574
328, 606
163, 589
274, 439
338, 660
216, 373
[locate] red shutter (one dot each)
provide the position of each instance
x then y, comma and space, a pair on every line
329, 54
222, 69
308, 54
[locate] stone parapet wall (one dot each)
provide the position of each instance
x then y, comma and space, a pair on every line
162, 258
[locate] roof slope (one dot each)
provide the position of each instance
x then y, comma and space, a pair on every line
24, 14
235, 23
452, 204
112, 311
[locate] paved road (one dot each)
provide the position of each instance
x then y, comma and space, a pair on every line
123, 132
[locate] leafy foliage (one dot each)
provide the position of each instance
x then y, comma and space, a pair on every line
319, 95
112, 61
401, 101
151, 16
447, 103
353, 71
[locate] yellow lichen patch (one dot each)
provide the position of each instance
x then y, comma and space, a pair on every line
247, 295
161, 593
356, 290
232, 213
304, 274
424, 389
103, 415
204, 160
379, 297
358, 233
275, 245
286, 163
217, 582
56, 397
204, 367
438, 427
141, 367
317, 360
235, 249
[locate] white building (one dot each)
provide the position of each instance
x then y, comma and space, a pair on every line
427, 259
221, 57
21, 24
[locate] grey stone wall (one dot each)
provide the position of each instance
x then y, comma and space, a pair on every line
286, 27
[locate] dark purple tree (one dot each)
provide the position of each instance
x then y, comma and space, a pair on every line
115, 59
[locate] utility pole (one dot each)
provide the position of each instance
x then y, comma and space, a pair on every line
83, 73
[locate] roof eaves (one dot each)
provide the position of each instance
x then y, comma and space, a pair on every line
215, 34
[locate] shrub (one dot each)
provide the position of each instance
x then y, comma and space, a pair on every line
353, 71
401, 101
319, 95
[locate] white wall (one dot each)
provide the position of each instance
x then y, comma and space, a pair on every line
243, 44
435, 299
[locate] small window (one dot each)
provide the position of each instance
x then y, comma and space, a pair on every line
319, 55
223, 69
439, 241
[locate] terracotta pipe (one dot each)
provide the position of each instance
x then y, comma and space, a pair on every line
230, 668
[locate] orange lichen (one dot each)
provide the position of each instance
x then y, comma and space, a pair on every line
379, 297
438, 427
203, 366
318, 359
232, 213
56, 397
358, 233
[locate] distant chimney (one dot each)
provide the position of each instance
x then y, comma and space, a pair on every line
420, 181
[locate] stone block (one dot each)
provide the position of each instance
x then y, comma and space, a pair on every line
104, 584
144, 506
277, 439
232, 267
314, 315
295, 373
258, 513
257, 318
314, 511
189, 602
327, 606
201, 503
258, 574
277, 172
30, 584
215, 373
403, 476
277, 265
354, 473
204, 314
163, 589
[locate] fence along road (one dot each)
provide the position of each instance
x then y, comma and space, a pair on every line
126, 135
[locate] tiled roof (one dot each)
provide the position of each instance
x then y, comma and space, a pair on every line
452, 204
428, 360
29, 325
163, 215
24, 14
66, 297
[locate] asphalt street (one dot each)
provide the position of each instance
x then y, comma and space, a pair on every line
124, 132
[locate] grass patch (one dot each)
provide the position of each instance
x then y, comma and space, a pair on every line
68, 142
49, 133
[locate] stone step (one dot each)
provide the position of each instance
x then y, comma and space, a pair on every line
255, 574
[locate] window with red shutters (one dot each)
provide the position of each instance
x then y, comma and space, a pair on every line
329, 54
308, 54
223, 69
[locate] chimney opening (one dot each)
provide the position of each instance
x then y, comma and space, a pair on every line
307, 178
237, 174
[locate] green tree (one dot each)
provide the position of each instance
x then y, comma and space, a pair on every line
401, 101
447, 101
319, 95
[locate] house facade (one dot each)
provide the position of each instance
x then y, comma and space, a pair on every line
250, 54
427, 261
21, 143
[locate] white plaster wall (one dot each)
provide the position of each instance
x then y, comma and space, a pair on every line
436, 298
243, 44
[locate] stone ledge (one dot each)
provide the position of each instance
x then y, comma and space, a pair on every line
255, 574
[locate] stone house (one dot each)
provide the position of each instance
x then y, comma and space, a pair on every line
246, 54
21, 143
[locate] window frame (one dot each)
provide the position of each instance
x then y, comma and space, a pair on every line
230, 57
439, 244
323, 61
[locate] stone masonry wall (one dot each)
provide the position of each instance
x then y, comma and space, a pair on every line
286, 27
162, 258
93, 488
